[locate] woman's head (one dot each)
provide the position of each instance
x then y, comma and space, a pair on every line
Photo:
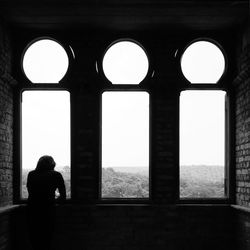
45, 163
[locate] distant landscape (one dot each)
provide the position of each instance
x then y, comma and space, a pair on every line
201, 181
125, 182
128, 182
196, 181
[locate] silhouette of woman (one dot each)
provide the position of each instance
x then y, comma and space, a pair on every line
42, 184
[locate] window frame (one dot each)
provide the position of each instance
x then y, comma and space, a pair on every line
228, 141
227, 168
18, 142
108, 84
101, 200
68, 50
27, 85
143, 86
180, 53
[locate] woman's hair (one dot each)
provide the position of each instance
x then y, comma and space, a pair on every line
45, 163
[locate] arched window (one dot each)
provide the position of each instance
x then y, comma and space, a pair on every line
125, 124
45, 110
203, 62
202, 126
45, 61
125, 62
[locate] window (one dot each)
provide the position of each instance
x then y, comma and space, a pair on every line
202, 144
125, 144
203, 62
45, 61
125, 62
45, 131
202, 123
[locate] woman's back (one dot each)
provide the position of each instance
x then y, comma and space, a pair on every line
42, 185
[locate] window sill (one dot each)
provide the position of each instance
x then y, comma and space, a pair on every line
215, 201
241, 208
7, 209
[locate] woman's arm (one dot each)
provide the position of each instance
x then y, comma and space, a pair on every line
61, 189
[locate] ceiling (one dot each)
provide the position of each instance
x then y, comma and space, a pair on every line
125, 15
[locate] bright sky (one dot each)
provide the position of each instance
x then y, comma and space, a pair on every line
45, 61
203, 62
202, 127
125, 129
45, 127
125, 63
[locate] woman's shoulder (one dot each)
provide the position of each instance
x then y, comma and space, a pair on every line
32, 172
55, 173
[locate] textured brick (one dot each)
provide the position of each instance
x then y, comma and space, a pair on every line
6, 120
242, 113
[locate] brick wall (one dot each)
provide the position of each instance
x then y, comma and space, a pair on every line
6, 138
242, 113
6, 120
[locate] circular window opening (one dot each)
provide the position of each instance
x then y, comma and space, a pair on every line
203, 62
125, 62
45, 61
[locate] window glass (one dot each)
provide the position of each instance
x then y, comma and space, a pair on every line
125, 144
203, 62
45, 131
125, 62
202, 144
45, 61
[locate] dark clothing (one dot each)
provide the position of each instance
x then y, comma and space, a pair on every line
42, 185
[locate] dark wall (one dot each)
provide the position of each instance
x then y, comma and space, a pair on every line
6, 119
243, 128
161, 224
136, 227
5, 235
85, 223
242, 227
6, 137
242, 111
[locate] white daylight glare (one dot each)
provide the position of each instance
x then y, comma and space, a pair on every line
203, 62
45, 61
202, 144
45, 127
125, 129
202, 127
125, 62
125, 144
45, 131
